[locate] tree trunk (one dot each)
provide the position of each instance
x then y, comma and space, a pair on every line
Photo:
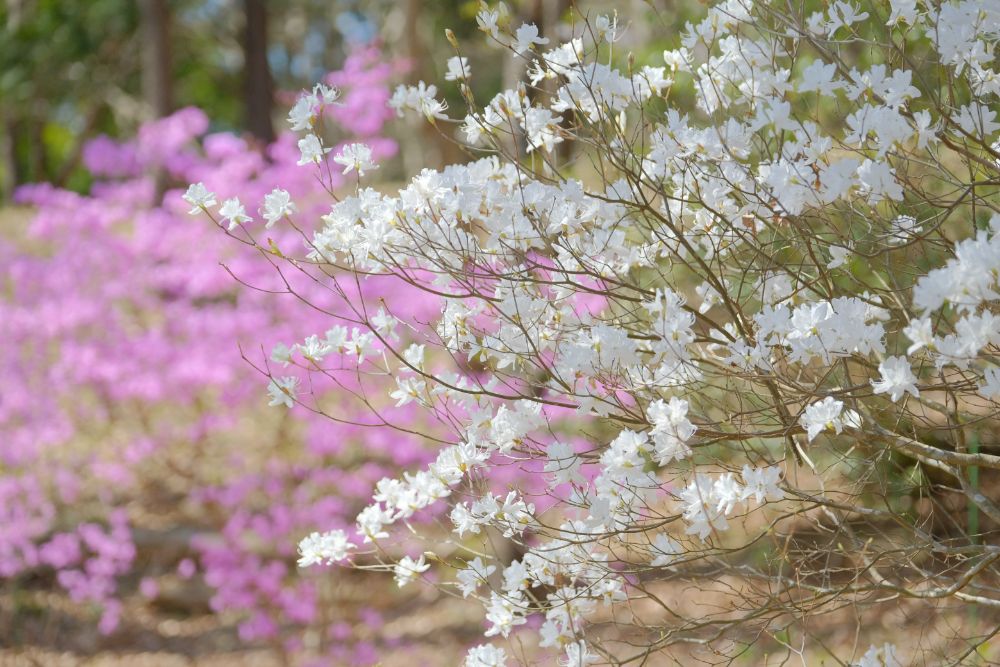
157, 79
157, 71
258, 86
419, 142
38, 156
8, 153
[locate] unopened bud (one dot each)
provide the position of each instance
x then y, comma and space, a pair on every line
451, 37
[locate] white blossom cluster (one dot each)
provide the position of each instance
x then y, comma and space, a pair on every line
835, 221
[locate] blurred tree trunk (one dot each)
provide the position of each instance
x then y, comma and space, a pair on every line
258, 85
157, 79
157, 70
8, 151
415, 50
422, 144
38, 156
75, 156
11, 175
548, 14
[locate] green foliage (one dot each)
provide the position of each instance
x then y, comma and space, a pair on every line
60, 63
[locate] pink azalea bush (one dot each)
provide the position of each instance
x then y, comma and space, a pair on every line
129, 408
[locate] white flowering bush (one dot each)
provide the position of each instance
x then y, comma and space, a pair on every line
732, 315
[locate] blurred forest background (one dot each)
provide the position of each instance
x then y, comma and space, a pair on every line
73, 70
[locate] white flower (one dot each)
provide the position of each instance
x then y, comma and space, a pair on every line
851, 419
838, 256
824, 415
283, 391
314, 348
902, 10
978, 120
966, 280
418, 98
554, 634
920, 332
309, 106
656, 78
385, 324
468, 455
414, 356
897, 378
843, 14
370, 522
709, 297
728, 493
678, 60
904, 228
816, 23
199, 197
526, 36
878, 181
514, 515
317, 548
606, 28
541, 128
277, 205
702, 509
503, 613
474, 129
762, 483
356, 157
561, 463
458, 69
464, 520
232, 211
818, 77
408, 390
926, 129
671, 429
281, 354
488, 22
303, 114
486, 655
407, 569
666, 550
473, 575
578, 655
991, 389
312, 150
886, 656
516, 577
325, 95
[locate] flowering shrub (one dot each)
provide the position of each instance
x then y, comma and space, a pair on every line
129, 418
765, 269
